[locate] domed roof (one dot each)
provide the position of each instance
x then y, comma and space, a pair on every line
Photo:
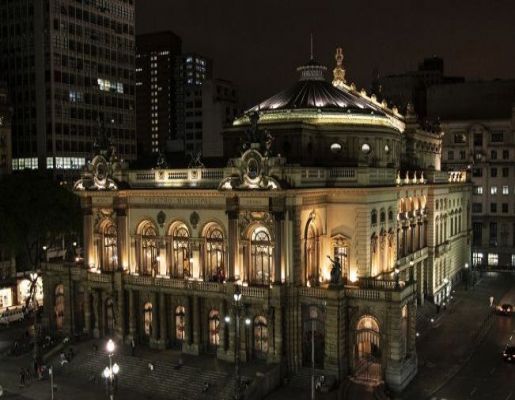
312, 91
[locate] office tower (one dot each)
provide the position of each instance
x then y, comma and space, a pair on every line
68, 65
156, 55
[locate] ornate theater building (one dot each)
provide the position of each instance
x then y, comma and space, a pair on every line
332, 219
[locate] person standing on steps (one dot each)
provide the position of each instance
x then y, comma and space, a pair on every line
133, 347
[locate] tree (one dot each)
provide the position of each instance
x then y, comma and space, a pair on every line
35, 211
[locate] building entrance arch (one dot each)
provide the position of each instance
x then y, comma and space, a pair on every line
367, 350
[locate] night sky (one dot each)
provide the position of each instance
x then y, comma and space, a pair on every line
258, 44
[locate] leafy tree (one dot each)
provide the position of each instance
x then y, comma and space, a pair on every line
35, 211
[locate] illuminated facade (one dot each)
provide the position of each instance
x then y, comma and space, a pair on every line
165, 249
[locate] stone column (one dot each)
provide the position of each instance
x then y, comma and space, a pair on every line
87, 311
132, 317
120, 304
234, 245
87, 215
222, 347
103, 312
191, 343
278, 249
96, 331
163, 337
120, 205
155, 322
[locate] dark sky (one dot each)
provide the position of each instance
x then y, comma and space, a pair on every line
258, 44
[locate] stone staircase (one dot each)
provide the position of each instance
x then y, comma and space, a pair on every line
164, 382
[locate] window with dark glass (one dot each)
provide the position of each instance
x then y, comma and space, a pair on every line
493, 172
493, 207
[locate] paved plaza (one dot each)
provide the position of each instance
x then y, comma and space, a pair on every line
459, 358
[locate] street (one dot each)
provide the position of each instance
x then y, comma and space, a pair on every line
486, 375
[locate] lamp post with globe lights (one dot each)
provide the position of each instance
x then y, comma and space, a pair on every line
112, 371
238, 306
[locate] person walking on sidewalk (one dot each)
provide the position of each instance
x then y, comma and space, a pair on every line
491, 301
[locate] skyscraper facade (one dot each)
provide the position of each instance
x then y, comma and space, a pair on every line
5, 131
156, 110
69, 65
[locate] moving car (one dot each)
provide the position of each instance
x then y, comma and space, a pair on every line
509, 353
505, 309
11, 315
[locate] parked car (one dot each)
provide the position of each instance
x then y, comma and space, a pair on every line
509, 353
505, 309
11, 315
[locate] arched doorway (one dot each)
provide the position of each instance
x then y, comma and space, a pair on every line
313, 336
59, 307
260, 337
214, 330
367, 352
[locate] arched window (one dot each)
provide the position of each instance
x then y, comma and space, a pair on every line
261, 256
110, 254
260, 337
312, 254
59, 307
215, 254
214, 328
390, 215
147, 319
180, 323
149, 249
382, 216
181, 264
373, 217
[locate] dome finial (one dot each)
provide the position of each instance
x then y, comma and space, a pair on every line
339, 72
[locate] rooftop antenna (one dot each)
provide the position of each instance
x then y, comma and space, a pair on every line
311, 37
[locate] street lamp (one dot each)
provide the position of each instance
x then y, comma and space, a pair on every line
237, 308
110, 372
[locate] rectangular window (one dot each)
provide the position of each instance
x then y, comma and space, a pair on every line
478, 190
497, 137
477, 258
459, 138
504, 208
493, 190
462, 155
493, 259
493, 207
493, 234
477, 233
493, 172
505, 190
493, 155
478, 139
505, 154
505, 172
477, 172
450, 155
513, 260
477, 207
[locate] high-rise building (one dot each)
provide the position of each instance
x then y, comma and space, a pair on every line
5, 131
478, 119
68, 64
156, 60
411, 86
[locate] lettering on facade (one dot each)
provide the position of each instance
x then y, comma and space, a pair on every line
249, 202
174, 202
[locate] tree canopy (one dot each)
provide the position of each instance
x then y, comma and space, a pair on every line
35, 211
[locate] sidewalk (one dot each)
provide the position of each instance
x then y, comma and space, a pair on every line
445, 344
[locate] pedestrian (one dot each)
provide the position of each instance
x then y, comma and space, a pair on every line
133, 347
22, 377
491, 301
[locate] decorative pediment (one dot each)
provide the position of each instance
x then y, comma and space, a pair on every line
253, 174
